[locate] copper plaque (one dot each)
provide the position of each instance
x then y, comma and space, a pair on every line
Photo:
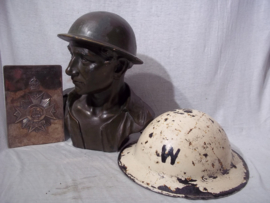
34, 104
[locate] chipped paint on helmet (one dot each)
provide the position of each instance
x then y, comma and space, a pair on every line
185, 153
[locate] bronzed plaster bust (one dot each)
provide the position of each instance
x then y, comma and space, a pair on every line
102, 111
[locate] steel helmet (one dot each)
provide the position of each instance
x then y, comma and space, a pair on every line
185, 153
107, 30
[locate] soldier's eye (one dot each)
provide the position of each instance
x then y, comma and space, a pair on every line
85, 60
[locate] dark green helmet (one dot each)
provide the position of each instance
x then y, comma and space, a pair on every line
107, 30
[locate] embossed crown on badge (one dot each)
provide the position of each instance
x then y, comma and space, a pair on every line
34, 83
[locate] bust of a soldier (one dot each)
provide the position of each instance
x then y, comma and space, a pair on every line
102, 111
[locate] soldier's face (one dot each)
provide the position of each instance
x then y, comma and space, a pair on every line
89, 71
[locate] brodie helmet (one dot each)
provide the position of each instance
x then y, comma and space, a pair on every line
185, 153
107, 30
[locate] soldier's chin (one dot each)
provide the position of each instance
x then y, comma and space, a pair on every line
82, 91
79, 91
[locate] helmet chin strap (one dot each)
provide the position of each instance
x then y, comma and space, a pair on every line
121, 68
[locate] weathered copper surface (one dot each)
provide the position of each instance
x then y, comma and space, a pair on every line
102, 111
34, 104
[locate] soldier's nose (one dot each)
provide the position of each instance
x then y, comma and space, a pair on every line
72, 69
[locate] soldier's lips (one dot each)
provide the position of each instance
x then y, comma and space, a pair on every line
76, 82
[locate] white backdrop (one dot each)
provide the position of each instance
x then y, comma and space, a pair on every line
212, 56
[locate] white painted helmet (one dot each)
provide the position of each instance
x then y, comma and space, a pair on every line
185, 153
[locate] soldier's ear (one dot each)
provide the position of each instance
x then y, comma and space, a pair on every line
121, 68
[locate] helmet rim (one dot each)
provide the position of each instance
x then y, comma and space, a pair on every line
77, 38
188, 191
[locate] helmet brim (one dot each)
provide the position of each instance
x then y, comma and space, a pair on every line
212, 188
81, 39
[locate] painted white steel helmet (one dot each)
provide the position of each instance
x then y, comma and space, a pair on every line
185, 153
